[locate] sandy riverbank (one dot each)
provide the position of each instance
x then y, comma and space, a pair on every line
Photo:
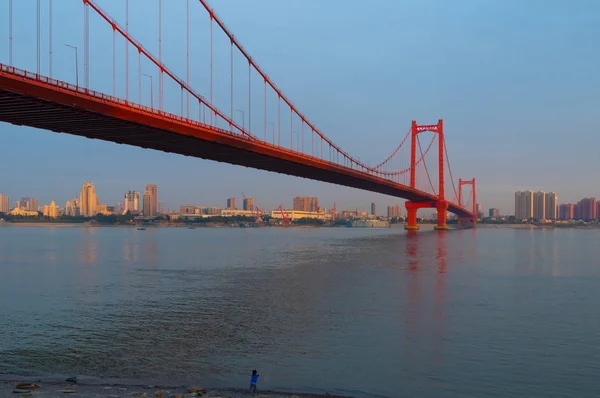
47, 389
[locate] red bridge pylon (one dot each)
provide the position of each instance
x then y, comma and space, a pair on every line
472, 198
441, 205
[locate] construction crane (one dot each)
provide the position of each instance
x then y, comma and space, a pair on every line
286, 219
259, 211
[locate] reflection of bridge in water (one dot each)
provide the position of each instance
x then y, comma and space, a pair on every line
425, 317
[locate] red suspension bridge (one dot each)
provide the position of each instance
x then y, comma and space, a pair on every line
206, 125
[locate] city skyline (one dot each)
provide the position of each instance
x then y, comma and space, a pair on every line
543, 110
526, 204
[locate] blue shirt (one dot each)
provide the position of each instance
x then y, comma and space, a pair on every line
254, 378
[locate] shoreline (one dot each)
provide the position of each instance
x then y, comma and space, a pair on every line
52, 389
423, 226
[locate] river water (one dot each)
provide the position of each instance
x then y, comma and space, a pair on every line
363, 312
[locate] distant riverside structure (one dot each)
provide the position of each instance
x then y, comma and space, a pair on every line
551, 206
373, 209
51, 210
199, 211
88, 200
248, 204
567, 211
298, 214
394, 211
150, 200
523, 204
28, 203
231, 203
494, 213
19, 211
132, 202
539, 205
4, 204
72, 208
479, 210
146, 204
587, 209
306, 203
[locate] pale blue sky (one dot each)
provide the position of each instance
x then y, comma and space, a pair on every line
516, 82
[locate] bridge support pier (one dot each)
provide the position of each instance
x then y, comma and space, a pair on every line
411, 210
411, 224
442, 208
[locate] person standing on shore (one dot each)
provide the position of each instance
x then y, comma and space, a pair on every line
253, 381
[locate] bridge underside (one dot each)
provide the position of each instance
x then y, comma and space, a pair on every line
32, 103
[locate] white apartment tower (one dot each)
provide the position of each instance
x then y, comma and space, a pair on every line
523, 204
539, 205
132, 202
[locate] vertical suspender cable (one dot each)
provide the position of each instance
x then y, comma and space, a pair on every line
187, 58
86, 44
249, 96
160, 71
114, 62
303, 137
211, 68
37, 15
265, 110
10, 33
139, 76
50, 39
127, 51
231, 82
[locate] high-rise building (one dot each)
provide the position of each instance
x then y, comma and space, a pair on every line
539, 205
306, 203
586, 209
132, 202
72, 208
300, 203
523, 204
152, 191
479, 210
567, 211
373, 209
551, 206
394, 211
146, 210
4, 204
231, 203
494, 213
51, 210
248, 204
28, 203
88, 200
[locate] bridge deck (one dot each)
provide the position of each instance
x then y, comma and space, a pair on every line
36, 101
